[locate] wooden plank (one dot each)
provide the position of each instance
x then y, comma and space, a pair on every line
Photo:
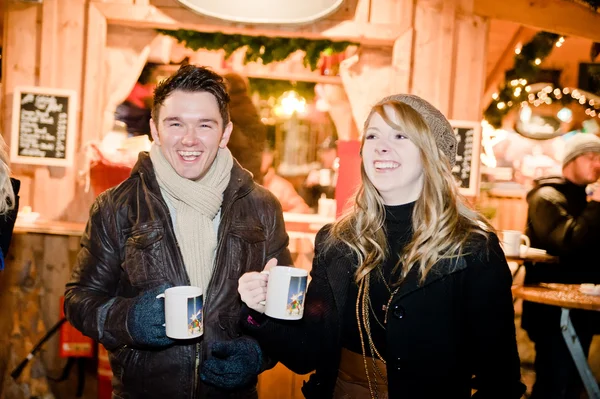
559, 16
504, 63
402, 59
61, 61
180, 18
94, 78
19, 67
447, 51
396, 12
431, 61
470, 68
362, 11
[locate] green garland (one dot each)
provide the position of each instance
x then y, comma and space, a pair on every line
274, 88
258, 48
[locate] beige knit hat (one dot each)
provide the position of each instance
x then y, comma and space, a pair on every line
437, 122
579, 144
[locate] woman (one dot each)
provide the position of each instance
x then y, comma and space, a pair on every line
410, 294
9, 202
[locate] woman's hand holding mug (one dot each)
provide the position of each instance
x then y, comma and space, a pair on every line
252, 287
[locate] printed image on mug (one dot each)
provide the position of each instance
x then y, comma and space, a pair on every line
183, 312
286, 290
295, 305
195, 316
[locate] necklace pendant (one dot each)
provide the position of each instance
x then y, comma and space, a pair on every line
384, 308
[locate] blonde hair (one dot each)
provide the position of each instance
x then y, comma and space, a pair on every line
7, 195
442, 219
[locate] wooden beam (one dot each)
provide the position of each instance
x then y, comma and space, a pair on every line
505, 62
94, 78
148, 16
559, 16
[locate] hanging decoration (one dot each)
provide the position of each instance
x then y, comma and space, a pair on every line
516, 91
259, 48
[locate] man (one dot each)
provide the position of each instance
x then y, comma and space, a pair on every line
564, 222
248, 131
187, 215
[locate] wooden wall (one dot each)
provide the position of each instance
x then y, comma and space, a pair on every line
44, 46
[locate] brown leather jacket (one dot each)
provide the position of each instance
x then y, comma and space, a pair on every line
129, 246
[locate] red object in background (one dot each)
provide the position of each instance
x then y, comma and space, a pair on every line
349, 173
72, 343
105, 174
104, 374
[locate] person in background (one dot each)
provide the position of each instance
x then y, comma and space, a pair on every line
136, 109
189, 214
323, 179
410, 294
9, 202
249, 133
565, 223
285, 192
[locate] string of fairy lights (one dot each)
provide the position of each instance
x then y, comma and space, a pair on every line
520, 91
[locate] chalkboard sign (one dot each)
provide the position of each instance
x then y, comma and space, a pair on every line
466, 169
43, 126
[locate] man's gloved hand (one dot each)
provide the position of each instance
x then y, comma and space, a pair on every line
146, 319
232, 364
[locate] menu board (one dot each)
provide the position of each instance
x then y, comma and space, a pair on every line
466, 169
43, 126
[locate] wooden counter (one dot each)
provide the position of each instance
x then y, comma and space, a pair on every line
37, 267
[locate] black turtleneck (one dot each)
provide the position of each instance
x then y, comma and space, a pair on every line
398, 229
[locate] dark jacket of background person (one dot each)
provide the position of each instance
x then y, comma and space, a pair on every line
7, 221
129, 246
561, 221
458, 323
249, 133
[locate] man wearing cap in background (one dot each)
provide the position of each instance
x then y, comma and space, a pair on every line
563, 221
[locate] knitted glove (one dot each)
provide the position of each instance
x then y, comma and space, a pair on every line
232, 364
146, 319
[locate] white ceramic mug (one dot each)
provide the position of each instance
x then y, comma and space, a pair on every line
183, 312
285, 292
511, 242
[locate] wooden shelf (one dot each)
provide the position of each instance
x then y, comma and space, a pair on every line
266, 74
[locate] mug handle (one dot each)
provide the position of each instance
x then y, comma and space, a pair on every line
264, 303
161, 296
527, 241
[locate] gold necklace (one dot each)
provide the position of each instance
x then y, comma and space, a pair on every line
363, 322
389, 302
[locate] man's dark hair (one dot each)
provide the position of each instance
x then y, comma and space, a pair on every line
192, 79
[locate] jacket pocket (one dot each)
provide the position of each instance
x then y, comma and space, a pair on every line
144, 255
246, 250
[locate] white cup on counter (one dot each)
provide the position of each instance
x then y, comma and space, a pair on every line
512, 240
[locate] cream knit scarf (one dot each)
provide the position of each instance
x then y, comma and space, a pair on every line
196, 204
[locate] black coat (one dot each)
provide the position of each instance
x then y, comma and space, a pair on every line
458, 324
561, 221
7, 222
